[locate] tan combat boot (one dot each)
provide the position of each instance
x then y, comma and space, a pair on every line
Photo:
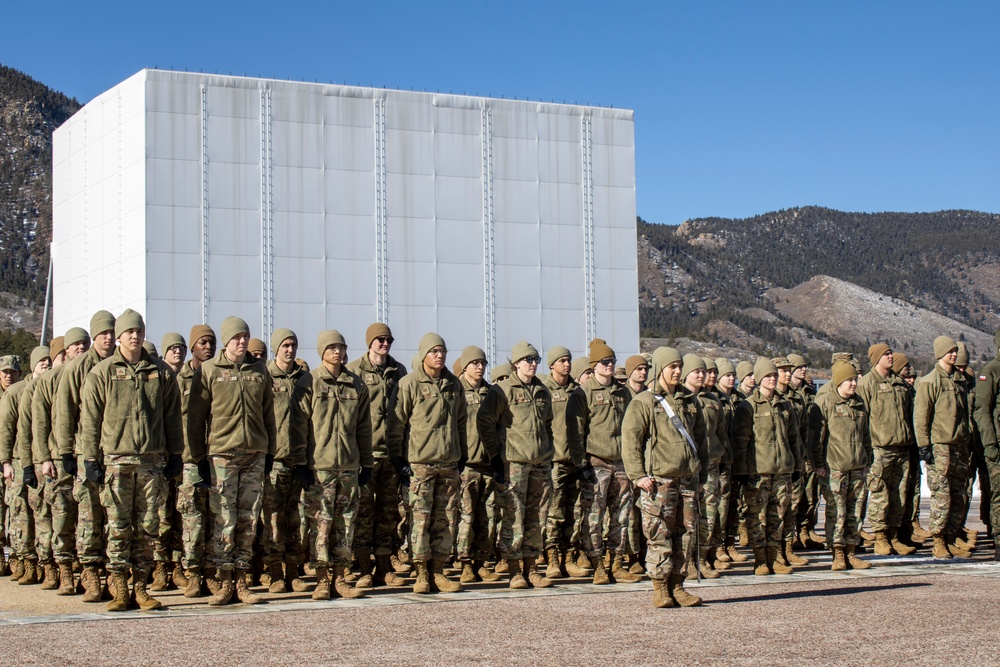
918, 534
293, 582
953, 548
51, 581
385, 575
964, 544
534, 578
484, 573
553, 570
340, 585
735, 555
401, 562
193, 587
898, 546
681, 596
621, 574
366, 578
243, 592
119, 584
707, 571
211, 581
16, 568
159, 577
722, 557
744, 535
177, 577
277, 584
30, 576
91, 582
225, 593
468, 575
142, 598
601, 577
940, 549
760, 562
839, 563
882, 545
793, 558
570, 567
583, 562
501, 567
661, 594
322, 591
853, 562
423, 582
439, 581
777, 565
635, 564
517, 580
66, 584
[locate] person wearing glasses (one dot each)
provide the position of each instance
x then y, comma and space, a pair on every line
426, 444
594, 421
515, 419
378, 514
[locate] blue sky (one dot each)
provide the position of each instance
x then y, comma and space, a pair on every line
740, 107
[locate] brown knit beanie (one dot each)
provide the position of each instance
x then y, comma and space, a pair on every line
256, 345
842, 371
198, 332
725, 366
633, 363
876, 352
599, 349
56, 346
374, 331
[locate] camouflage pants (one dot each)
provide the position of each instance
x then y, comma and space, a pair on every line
333, 504
993, 470
947, 478
715, 505
4, 511
235, 499
613, 495
20, 521
281, 537
168, 544
60, 499
378, 511
91, 521
887, 480
844, 492
669, 519
433, 497
806, 512
131, 495
529, 486
767, 502
561, 520
737, 509
911, 504
796, 491
43, 523
477, 527
978, 469
196, 518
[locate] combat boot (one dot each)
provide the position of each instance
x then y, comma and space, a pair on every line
867, 538
776, 564
142, 598
51, 581
401, 563
91, 582
440, 582
341, 587
760, 562
635, 564
735, 555
66, 585
322, 591
600, 573
534, 578
803, 538
517, 580
839, 563
294, 582
707, 571
225, 594
955, 550
744, 535
243, 592
30, 576
661, 594
159, 577
16, 568
571, 568
583, 562
940, 549
681, 596
4, 564
119, 582
501, 567
853, 562
468, 575
193, 587
177, 577
918, 534
793, 558
484, 573
554, 568
816, 540
899, 546
621, 574
882, 545
277, 584
722, 557
964, 544
365, 580
211, 581
423, 582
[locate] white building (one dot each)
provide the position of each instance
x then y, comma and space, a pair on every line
189, 197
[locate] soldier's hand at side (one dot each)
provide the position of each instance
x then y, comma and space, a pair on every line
304, 476
173, 467
926, 455
268, 463
587, 474
365, 477
29, 477
69, 464
205, 472
49, 469
94, 471
496, 469
8, 471
402, 468
461, 464
647, 484
821, 472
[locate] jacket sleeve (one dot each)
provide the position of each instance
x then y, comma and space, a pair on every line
269, 420
67, 402
488, 419
173, 424
795, 438
700, 435
363, 432
461, 421
300, 413
986, 403
577, 416
93, 402
8, 427
400, 407
41, 425
923, 412
822, 440
199, 407
635, 434
742, 437
22, 447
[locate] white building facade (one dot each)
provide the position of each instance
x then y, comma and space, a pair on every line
190, 197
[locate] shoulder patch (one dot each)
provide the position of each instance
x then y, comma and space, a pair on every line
982, 378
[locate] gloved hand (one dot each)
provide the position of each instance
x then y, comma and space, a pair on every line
743, 479
796, 476
174, 466
69, 464
461, 464
365, 477
403, 469
94, 471
926, 455
268, 463
587, 474
497, 471
29, 477
205, 472
304, 476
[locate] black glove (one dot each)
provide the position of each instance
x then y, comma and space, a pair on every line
796, 476
69, 464
304, 476
268, 464
587, 474
497, 471
94, 471
205, 472
926, 455
461, 464
742, 479
403, 469
364, 476
174, 466
29, 477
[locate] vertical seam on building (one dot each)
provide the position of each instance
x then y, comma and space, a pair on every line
266, 258
381, 222
489, 281
204, 203
586, 142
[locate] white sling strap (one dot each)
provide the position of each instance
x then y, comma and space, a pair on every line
676, 421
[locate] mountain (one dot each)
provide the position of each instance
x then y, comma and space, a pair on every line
813, 280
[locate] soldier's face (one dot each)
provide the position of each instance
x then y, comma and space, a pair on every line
885, 362
59, 359
769, 381
7, 378
334, 354
286, 351
381, 345
203, 349
784, 375
749, 382
640, 374
799, 373
727, 381
76, 349
848, 387
236, 348
584, 376
527, 368
41, 367
131, 340
671, 375
561, 366
696, 378
475, 370
104, 342
175, 355
436, 358
605, 369
710, 377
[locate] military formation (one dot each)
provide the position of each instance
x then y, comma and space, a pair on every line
130, 471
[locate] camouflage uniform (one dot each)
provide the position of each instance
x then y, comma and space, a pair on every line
481, 497
796, 486
806, 512
58, 490
716, 480
20, 521
562, 526
36, 496
987, 416
192, 492
724, 491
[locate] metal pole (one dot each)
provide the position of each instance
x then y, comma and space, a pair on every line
48, 296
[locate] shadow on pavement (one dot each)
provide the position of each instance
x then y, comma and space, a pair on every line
827, 592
